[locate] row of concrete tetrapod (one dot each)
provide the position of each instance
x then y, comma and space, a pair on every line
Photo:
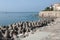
11, 32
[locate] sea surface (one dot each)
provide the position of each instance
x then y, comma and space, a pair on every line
7, 18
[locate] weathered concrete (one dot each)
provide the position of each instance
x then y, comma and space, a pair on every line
11, 31
49, 14
54, 29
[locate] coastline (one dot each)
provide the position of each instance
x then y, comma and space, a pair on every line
49, 32
23, 28
30, 20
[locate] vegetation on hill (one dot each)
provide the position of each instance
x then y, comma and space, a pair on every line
48, 9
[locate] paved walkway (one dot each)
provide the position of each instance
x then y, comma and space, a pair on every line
37, 36
54, 28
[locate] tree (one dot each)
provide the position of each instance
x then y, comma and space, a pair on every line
48, 9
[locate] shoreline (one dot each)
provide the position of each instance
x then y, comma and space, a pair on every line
49, 32
23, 28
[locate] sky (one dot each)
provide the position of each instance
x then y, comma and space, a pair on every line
25, 5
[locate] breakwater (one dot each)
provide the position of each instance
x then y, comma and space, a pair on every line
11, 32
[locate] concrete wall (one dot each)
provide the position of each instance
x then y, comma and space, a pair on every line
49, 13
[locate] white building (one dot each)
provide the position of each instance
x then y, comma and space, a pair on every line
56, 7
54, 13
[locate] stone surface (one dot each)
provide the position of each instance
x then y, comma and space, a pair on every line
54, 29
50, 32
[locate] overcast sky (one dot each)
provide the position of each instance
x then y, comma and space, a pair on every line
25, 5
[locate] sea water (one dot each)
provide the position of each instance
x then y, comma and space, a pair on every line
7, 18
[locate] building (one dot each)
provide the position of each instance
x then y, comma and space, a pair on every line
54, 13
56, 7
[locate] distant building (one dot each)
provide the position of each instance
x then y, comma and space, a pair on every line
54, 13
56, 7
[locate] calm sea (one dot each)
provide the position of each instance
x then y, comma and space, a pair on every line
7, 18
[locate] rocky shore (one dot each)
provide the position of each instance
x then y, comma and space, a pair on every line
22, 29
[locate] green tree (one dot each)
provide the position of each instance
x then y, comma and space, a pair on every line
48, 9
